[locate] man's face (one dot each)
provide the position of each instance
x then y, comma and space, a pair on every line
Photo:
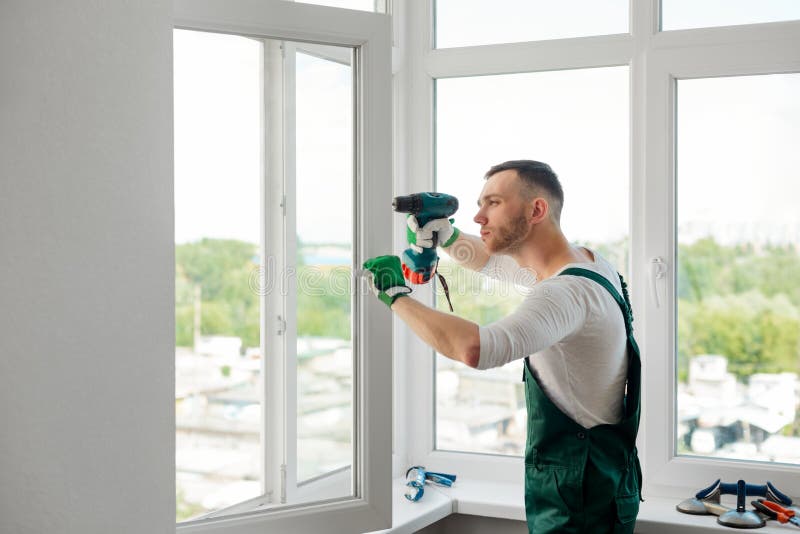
501, 213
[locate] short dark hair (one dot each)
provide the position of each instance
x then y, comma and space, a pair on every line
536, 177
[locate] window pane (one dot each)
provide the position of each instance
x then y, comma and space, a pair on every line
685, 14
217, 225
577, 121
324, 253
738, 292
478, 22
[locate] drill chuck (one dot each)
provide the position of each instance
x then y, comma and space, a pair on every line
407, 204
426, 205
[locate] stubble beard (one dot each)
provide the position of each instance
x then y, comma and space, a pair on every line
509, 238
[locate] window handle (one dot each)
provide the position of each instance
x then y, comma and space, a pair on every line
658, 270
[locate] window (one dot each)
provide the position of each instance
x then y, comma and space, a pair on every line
324, 257
575, 120
685, 14
702, 259
278, 346
738, 278
674, 108
475, 22
217, 249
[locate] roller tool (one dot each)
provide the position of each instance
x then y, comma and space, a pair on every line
715, 509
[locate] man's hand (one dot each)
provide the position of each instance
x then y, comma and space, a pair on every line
419, 238
385, 277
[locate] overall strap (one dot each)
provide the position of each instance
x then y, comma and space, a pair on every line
632, 398
623, 302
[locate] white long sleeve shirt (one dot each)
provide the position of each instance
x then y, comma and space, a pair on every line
572, 332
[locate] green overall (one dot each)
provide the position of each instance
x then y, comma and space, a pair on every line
579, 479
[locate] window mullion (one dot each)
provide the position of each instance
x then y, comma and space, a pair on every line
416, 406
644, 23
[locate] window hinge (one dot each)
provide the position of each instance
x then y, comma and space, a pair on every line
283, 205
283, 483
281, 325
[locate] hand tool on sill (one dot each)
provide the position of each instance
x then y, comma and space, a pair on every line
419, 263
741, 517
712, 493
417, 476
776, 511
715, 508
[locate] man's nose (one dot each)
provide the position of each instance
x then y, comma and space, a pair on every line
480, 218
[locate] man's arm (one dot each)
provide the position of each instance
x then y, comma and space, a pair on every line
468, 251
452, 336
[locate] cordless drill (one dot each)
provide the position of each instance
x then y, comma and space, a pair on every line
419, 267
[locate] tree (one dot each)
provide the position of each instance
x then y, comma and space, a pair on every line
222, 268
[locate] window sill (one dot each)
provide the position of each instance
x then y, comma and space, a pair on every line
409, 517
657, 515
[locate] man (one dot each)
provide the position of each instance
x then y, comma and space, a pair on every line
582, 473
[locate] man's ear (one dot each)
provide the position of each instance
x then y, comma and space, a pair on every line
539, 209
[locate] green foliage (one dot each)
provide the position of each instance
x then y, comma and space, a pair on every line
219, 271
220, 266
323, 301
758, 334
742, 302
184, 328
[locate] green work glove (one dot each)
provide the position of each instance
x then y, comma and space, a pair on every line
386, 278
419, 238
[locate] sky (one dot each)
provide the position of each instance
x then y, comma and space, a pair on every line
576, 121
218, 135
737, 137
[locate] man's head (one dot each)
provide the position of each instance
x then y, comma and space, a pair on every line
518, 195
537, 180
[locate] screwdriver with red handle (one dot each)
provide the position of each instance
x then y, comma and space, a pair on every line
776, 511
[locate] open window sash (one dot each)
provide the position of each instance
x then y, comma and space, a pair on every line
314, 506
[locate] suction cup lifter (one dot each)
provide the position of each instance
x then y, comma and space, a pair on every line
741, 517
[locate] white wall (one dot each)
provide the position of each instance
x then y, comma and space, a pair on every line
86, 267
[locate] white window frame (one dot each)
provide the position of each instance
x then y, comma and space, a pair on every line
757, 49
370, 507
655, 59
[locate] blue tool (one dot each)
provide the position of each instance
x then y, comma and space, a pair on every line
695, 505
416, 477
